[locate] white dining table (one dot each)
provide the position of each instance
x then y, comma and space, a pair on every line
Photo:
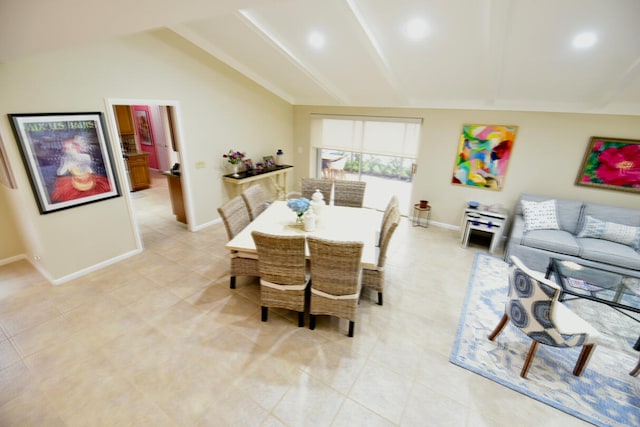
339, 223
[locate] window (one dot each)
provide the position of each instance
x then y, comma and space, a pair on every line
379, 150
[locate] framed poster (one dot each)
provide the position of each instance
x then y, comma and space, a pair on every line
611, 163
483, 155
67, 157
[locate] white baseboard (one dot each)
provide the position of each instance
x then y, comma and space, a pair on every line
13, 259
207, 224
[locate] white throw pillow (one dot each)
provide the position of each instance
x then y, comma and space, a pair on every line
619, 233
540, 215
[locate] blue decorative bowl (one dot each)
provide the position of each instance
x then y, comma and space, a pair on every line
473, 205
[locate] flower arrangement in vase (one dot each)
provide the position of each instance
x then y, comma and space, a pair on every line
299, 206
234, 158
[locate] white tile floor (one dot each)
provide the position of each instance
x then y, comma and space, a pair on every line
160, 340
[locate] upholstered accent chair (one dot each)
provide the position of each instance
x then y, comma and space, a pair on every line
310, 185
256, 200
235, 217
335, 279
349, 193
374, 278
533, 307
283, 278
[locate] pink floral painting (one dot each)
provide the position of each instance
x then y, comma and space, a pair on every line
611, 163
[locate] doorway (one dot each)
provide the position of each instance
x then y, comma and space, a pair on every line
150, 207
384, 175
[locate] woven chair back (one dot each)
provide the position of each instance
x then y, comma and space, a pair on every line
388, 228
281, 259
393, 203
234, 215
255, 199
310, 185
349, 193
335, 266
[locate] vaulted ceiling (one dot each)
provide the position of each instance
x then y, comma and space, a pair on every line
472, 54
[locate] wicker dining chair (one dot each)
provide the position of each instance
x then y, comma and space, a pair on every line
256, 200
393, 202
533, 307
283, 278
310, 185
373, 278
335, 279
349, 193
235, 217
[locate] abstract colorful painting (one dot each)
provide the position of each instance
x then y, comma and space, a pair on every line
483, 155
611, 163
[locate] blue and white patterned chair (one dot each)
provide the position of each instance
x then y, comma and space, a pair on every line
533, 307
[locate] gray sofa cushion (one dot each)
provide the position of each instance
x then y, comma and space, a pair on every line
609, 253
568, 211
558, 241
615, 214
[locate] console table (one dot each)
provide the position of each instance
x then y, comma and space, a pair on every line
277, 175
492, 221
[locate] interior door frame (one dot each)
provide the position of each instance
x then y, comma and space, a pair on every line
181, 153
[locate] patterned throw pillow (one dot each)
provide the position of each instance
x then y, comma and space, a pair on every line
540, 215
619, 233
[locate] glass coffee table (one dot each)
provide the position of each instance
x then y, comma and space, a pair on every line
620, 291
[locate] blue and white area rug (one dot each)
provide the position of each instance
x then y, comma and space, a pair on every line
605, 394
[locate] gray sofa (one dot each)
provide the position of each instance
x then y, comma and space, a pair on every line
535, 246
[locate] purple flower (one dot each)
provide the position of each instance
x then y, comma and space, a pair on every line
234, 157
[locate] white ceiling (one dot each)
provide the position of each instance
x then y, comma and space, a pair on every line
485, 54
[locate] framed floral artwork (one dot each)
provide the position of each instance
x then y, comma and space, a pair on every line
483, 155
67, 157
611, 163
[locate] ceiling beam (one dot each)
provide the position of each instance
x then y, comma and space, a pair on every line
377, 54
500, 14
618, 84
312, 74
229, 60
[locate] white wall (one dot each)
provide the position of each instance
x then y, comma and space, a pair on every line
219, 109
546, 156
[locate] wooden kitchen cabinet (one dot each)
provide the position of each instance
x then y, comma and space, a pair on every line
125, 120
138, 166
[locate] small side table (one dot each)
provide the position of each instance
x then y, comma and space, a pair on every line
492, 222
417, 212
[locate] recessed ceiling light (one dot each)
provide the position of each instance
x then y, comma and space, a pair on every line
416, 29
316, 39
584, 40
